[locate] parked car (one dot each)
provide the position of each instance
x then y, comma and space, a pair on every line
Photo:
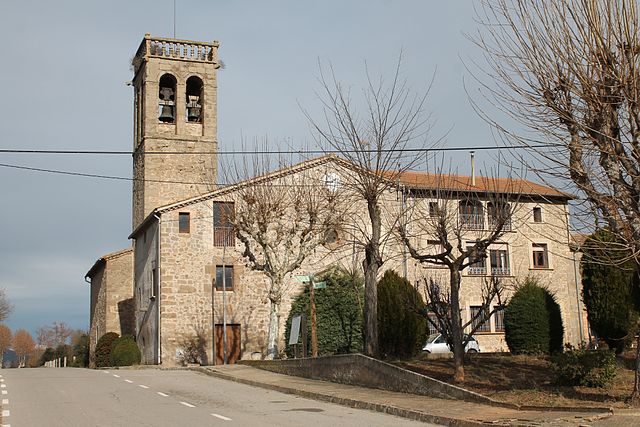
437, 344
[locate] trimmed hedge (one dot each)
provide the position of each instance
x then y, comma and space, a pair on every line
103, 350
338, 313
532, 320
125, 352
402, 325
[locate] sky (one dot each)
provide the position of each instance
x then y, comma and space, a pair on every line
63, 70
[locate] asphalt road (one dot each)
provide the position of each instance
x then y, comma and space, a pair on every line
81, 397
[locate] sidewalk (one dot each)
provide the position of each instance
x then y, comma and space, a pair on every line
422, 408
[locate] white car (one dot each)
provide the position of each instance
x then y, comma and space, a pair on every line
437, 344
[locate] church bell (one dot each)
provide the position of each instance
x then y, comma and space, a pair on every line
166, 114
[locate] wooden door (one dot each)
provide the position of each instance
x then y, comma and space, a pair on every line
233, 344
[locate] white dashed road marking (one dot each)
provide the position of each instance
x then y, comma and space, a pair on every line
106, 372
3, 385
4, 392
129, 381
143, 386
5, 413
5, 401
222, 417
189, 405
162, 394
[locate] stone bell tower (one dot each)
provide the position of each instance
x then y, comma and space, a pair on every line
175, 122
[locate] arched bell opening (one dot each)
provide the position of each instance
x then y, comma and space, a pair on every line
194, 99
167, 99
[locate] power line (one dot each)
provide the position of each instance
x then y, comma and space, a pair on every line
263, 152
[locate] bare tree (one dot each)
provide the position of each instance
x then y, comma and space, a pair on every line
447, 227
280, 219
376, 143
5, 306
5, 342
568, 72
23, 345
58, 333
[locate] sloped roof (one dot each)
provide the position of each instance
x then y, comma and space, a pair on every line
428, 181
412, 180
104, 258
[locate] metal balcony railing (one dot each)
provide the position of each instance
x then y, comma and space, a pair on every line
500, 271
477, 271
472, 221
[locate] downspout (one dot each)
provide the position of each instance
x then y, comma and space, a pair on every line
90, 314
575, 274
158, 297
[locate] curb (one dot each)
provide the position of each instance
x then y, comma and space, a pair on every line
352, 403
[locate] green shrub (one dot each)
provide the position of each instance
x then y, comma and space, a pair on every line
609, 290
402, 325
104, 346
81, 352
125, 352
579, 366
338, 313
532, 320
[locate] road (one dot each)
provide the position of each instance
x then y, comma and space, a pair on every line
82, 397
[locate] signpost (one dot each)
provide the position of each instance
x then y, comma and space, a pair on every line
312, 303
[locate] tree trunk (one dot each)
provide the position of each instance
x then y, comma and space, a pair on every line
274, 328
634, 399
456, 327
371, 265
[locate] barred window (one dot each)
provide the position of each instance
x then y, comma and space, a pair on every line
223, 234
499, 318
480, 320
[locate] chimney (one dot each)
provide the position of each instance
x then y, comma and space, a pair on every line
473, 168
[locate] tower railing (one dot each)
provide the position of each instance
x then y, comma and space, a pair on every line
159, 47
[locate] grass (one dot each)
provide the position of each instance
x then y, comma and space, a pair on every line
528, 380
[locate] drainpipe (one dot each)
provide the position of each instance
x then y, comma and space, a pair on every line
158, 237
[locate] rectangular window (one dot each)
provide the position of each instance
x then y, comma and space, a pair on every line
226, 280
537, 214
540, 255
478, 268
498, 315
184, 222
433, 209
499, 215
434, 319
223, 234
471, 214
499, 262
480, 319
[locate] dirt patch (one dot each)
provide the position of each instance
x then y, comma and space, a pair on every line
527, 380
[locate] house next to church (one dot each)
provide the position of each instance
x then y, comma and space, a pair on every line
184, 246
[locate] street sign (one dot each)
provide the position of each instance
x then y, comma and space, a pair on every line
303, 279
320, 285
294, 335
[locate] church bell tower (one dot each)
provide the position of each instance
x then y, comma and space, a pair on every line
175, 122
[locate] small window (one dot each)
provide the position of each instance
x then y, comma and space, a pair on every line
223, 233
184, 222
226, 280
499, 262
540, 255
433, 209
478, 267
484, 326
432, 329
155, 282
537, 214
498, 315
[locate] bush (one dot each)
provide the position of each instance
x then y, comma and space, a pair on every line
402, 325
609, 290
532, 320
125, 352
104, 347
81, 352
579, 366
338, 313
194, 349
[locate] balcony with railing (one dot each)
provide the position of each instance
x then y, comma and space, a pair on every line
500, 271
224, 236
472, 221
494, 222
475, 270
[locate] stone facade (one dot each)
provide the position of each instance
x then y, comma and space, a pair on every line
111, 307
173, 160
189, 302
